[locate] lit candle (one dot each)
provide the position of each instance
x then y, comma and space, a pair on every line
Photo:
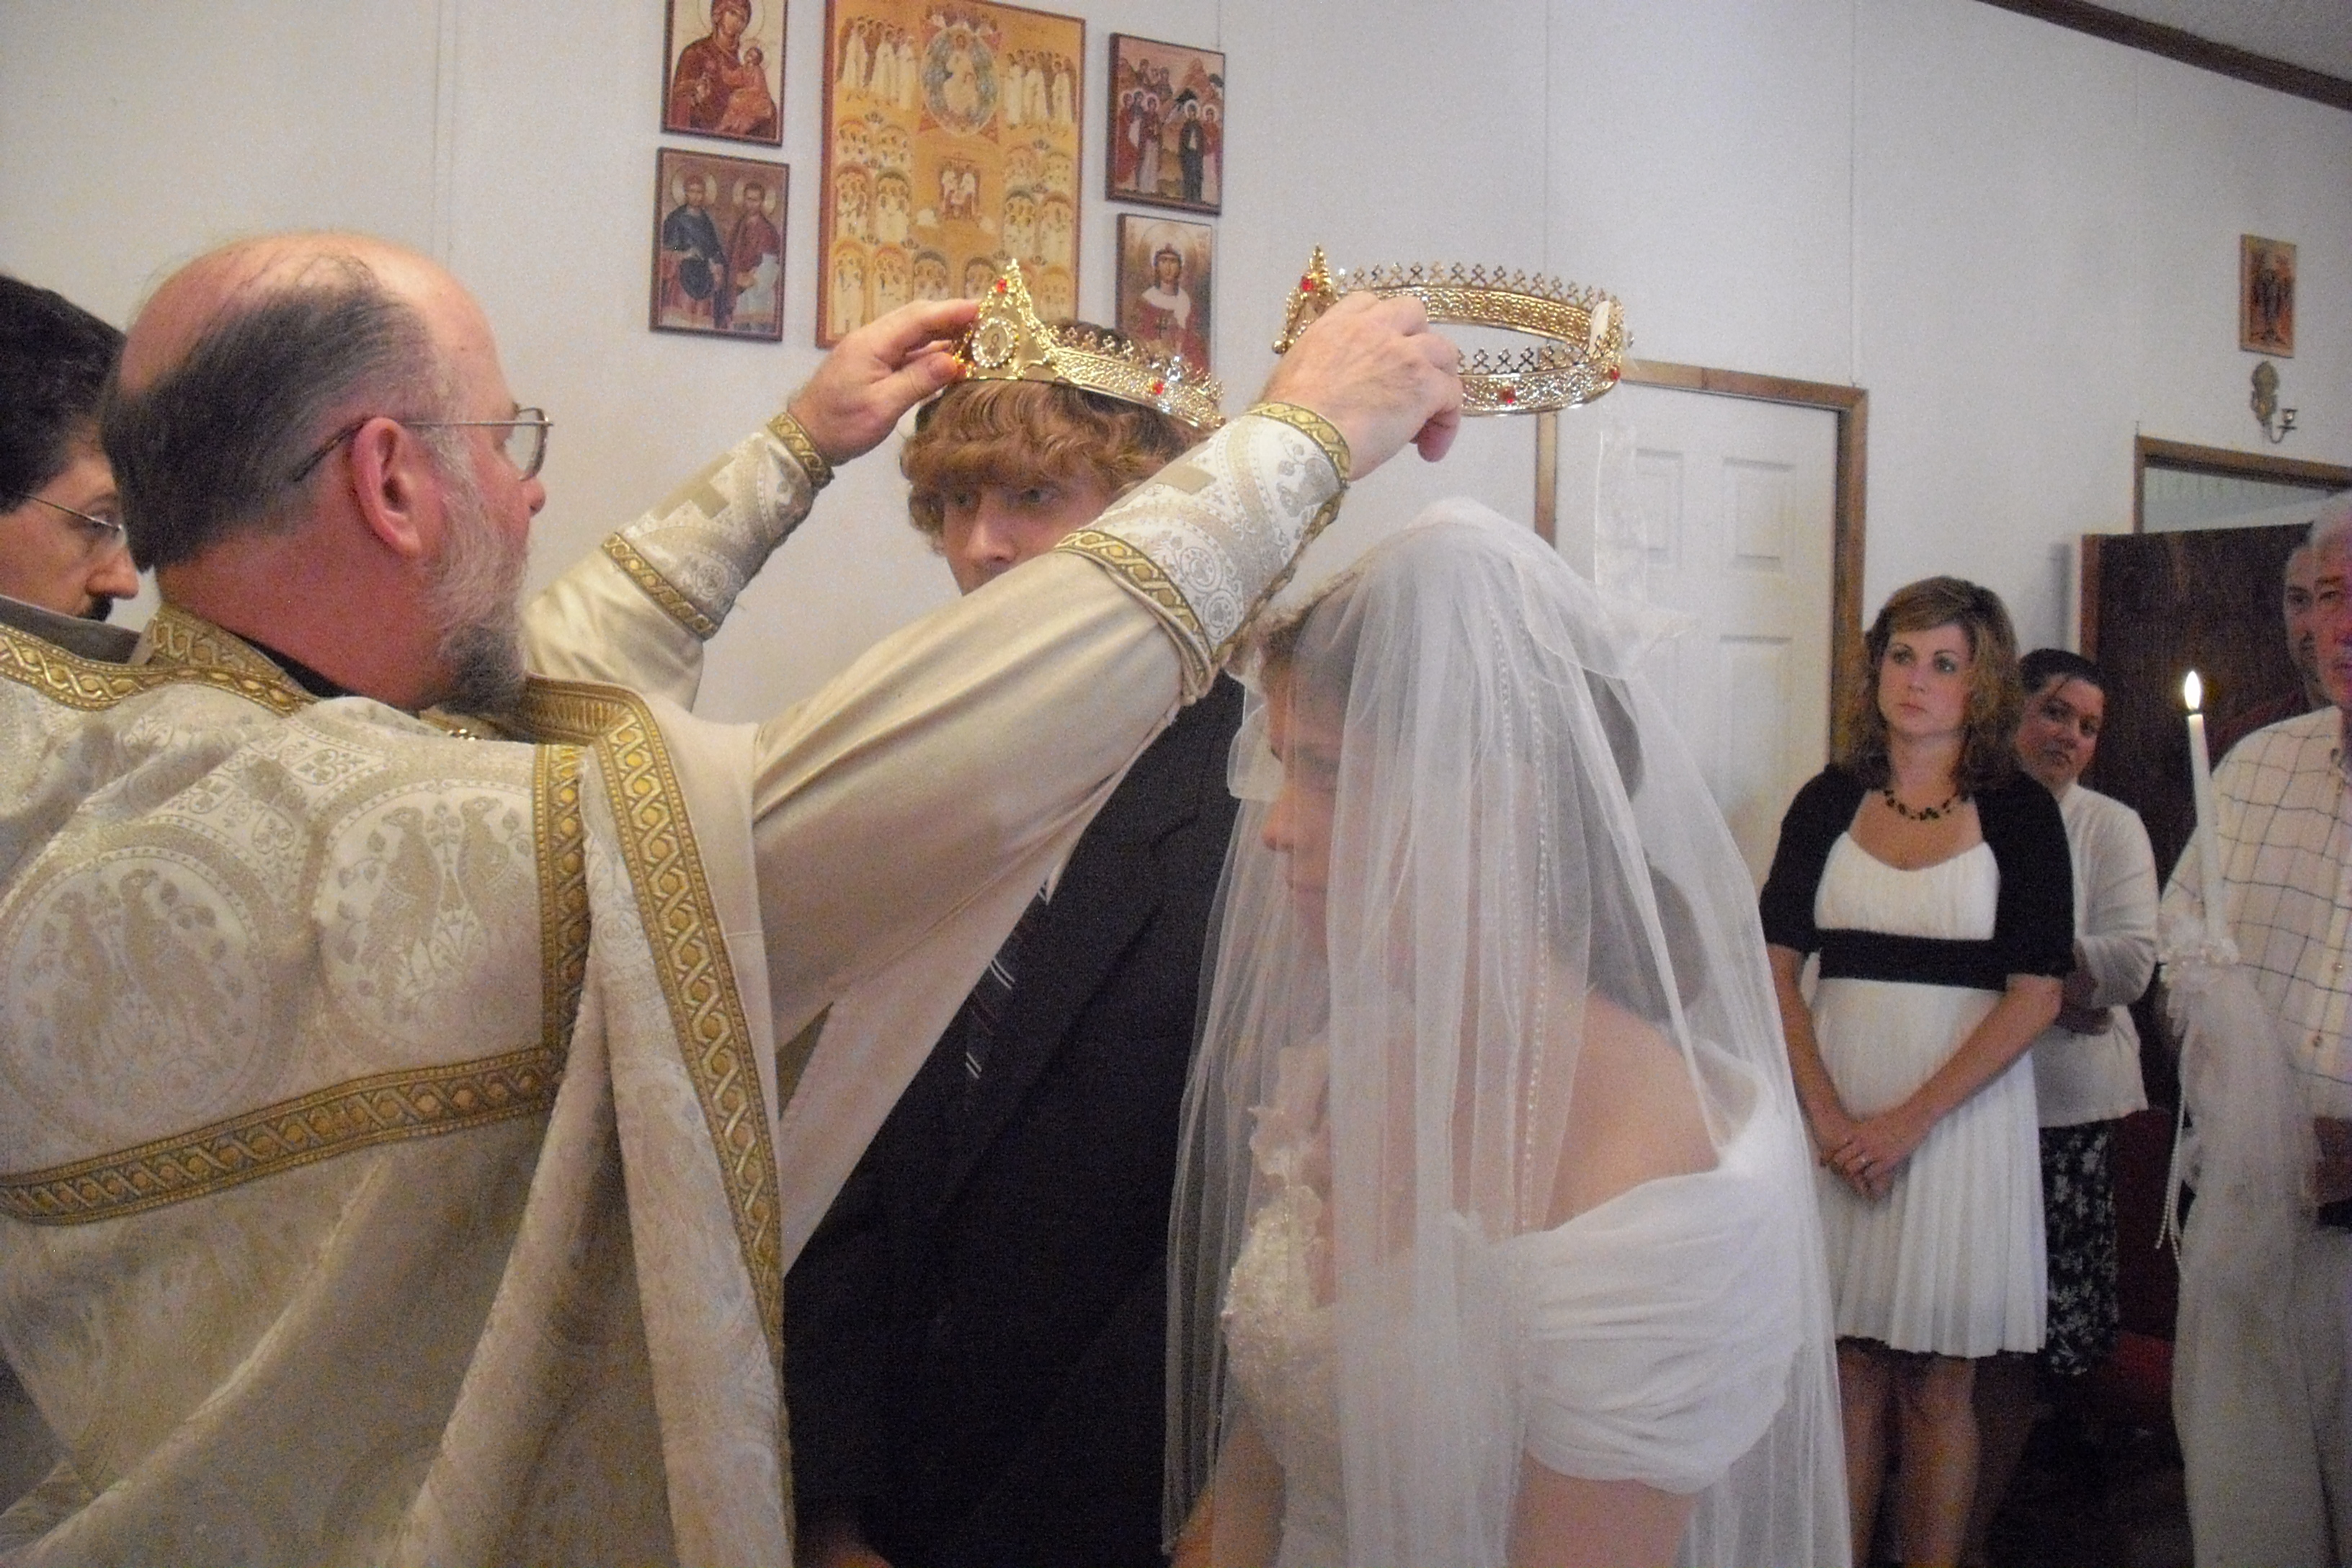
2200, 775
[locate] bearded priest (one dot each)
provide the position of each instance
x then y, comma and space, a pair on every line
407, 1073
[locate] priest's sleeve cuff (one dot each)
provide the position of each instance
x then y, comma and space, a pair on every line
1211, 538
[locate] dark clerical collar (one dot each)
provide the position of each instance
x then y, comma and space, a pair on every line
301, 674
94, 640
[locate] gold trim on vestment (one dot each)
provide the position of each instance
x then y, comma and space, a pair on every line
681, 920
1334, 446
561, 832
659, 589
795, 439
1316, 428
656, 842
178, 637
415, 1103
410, 1102
1148, 578
96, 685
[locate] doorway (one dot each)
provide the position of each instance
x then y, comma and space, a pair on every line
1736, 500
2163, 600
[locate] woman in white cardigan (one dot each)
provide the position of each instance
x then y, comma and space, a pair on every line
2087, 1075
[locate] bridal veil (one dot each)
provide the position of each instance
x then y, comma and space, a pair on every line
1570, 1211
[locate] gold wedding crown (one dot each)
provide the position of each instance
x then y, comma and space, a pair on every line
1583, 354
1006, 341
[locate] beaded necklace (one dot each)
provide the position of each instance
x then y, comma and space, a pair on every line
1926, 814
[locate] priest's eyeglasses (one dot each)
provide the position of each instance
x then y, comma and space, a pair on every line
100, 531
525, 442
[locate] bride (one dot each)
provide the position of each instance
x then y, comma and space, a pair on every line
1493, 1240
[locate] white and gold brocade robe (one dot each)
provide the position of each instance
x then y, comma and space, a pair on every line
401, 1162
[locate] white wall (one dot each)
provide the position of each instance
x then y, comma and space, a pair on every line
2022, 240
2046, 239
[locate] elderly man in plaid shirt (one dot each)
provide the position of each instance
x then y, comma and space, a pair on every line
2267, 1418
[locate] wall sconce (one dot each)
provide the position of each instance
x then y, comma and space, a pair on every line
2275, 421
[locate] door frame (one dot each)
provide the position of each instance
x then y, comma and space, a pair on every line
2152, 452
1849, 405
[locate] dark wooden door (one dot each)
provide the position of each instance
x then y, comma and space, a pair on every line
2155, 607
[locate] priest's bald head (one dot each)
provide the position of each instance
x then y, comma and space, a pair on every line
318, 452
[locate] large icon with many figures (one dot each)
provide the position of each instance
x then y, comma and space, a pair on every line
951, 144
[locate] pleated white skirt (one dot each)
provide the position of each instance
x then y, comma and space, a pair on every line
1951, 1260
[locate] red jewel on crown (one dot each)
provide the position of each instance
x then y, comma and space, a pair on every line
1307, 285
1613, 373
1510, 394
999, 285
1157, 388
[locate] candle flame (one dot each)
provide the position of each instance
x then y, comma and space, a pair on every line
2192, 692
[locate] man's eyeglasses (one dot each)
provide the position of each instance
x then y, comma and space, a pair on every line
100, 533
525, 443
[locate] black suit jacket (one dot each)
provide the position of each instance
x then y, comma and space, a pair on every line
976, 1334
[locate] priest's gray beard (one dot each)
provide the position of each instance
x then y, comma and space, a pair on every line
476, 600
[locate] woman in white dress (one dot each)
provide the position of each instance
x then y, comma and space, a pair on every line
1492, 1241
1932, 878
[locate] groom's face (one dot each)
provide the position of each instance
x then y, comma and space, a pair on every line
989, 528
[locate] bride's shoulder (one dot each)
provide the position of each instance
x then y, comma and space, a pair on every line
1634, 1115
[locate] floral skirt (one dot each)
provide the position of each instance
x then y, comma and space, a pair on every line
2078, 1221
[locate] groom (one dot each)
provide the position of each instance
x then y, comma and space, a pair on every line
977, 1332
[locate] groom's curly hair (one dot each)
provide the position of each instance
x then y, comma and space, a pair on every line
1021, 433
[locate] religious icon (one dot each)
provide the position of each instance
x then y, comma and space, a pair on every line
1167, 124
930, 275
1167, 285
718, 244
725, 70
951, 142
2265, 296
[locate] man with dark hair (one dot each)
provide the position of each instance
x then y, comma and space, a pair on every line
62, 566
2308, 695
2086, 1074
978, 1333
409, 1114
61, 548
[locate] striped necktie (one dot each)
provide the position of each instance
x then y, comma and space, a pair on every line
984, 1009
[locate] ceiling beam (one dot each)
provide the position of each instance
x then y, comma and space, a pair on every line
2188, 49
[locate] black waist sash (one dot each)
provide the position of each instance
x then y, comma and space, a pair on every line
1915, 960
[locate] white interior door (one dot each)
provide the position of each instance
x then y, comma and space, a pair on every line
1722, 509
